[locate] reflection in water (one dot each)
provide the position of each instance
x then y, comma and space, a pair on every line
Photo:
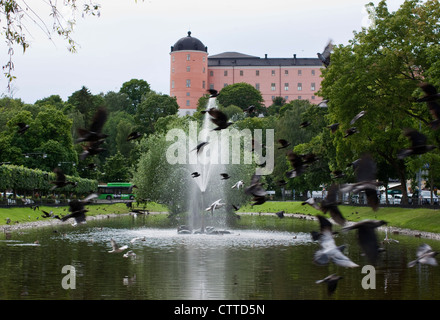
246, 264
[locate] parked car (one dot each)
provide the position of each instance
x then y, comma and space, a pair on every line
383, 199
397, 199
426, 197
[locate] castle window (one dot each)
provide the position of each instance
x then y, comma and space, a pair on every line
188, 83
286, 86
313, 72
211, 73
273, 72
188, 57
225, 73
241, 72
188, 69
312, 87
257, 72
257, 86
272, 86
286, 72
299, 86
299, 72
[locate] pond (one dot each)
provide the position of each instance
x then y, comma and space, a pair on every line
243, 265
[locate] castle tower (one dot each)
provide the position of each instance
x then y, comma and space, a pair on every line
189, 73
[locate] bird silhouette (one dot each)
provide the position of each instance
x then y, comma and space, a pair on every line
47, 214
311, 202
430, 97
195, 174
418, 144
215, 205
331, 281
77, 209
365, 169
330, 204
305, 124
93, 133
297, 164
116, 248
91, 148
329, 251
333, 127
357, 117
430, 91
280, 214
283, 143
219, 119
425, 255
134, 135
367, 238
325, 55
250, 109
225, 176
256, 190
22, 127
213, 93
200, 146
350, 131
61, 180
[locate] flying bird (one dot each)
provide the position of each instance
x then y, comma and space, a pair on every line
200, 147
357, 117
333, 127
134, 135
283, 143
77, 209
256, 190
61, 180
219, 119
430, 91
425, 255
311, 202
297, 164
225, 176
325, 55
250, 109
93, 133
213, 93
329, 251
91, 148
305, 124
350, 131
331, 281
215, 205
116, 248
367, 238
418, 144
47, 214
195, 174
22, 127
330, 204
430, 97
238, 184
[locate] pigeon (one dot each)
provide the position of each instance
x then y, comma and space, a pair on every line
134, 135
47, 214
332, 282
215, 205
283, 143
225, 176
329, 204
325, 55
333, 127
280, 214
357, 117
350, 132
200, 146
238, 184
219, 119
256, 190
213, 93
305, 124
311, 202
77, 210
22, 127
323, 103
195, 174
329, 251
61, 180
250, 109
94, 132
338, 174
367, 238
418, 144
296, 162
365, 169
116, 248
425, 255
92, 148
430, 91
257, 200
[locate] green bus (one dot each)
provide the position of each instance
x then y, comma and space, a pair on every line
116, 191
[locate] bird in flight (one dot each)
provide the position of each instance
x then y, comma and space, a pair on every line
425, 255
418, 144
116, 248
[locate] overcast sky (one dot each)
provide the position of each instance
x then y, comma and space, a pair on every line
132, 40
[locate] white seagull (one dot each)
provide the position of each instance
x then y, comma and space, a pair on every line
238, 184
116, 248
215, 205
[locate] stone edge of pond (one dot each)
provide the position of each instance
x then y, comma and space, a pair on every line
54, 222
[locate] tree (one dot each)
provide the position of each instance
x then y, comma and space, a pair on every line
16, 15
153, 107
379, 72
115, 169
242, 95
135, 89
86, 103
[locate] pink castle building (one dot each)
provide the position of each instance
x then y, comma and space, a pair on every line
193, 73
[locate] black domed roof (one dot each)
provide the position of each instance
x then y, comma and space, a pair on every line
189, 43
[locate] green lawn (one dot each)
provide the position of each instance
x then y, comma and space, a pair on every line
416, 219
26, 214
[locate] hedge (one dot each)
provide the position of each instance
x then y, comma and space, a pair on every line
25, 180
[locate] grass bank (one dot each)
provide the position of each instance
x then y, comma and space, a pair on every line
27, 214
420, 219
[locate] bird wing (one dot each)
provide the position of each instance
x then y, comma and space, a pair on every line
434, 109
98, 120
